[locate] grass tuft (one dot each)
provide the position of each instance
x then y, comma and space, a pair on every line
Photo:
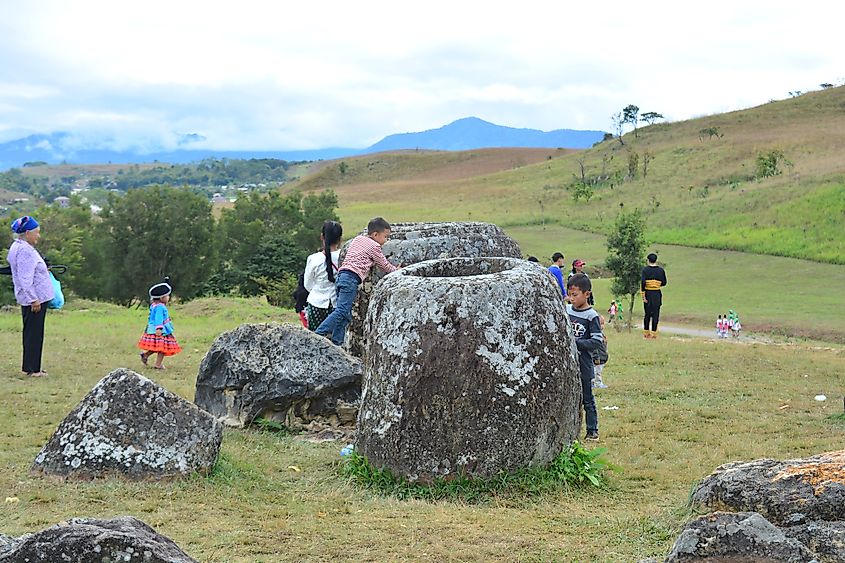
576, 467
273, 426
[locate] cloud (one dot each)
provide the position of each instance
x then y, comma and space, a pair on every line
257, 75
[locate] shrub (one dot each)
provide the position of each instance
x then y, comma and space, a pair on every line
768, 164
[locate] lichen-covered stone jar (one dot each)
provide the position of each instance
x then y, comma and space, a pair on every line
411, 243
468, 370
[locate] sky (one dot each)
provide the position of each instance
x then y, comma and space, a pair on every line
251, 75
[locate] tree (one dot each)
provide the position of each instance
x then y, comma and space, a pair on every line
626, 246
65, 232
630, 114
650, 117
647, 158
316, 209
618, 121
824, 86
154, 232
633, 164
266, 238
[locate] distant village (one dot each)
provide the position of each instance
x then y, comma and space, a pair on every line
222, 181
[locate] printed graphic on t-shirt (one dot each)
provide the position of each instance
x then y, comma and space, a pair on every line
578, 330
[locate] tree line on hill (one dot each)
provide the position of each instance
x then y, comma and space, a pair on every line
257, 247
208, 173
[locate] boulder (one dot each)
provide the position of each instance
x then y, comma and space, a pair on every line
278, 371
468, 370
87, 540
736, 537
812, 488
411, 243
825, 539
129, 426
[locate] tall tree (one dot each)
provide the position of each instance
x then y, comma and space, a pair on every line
154, 232
626, 245
630, 114
650, 117
266, 238
618, 120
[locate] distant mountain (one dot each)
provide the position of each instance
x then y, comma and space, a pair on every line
463, 134
61, 147
474, 133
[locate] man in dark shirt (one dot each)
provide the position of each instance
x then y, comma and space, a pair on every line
652, 279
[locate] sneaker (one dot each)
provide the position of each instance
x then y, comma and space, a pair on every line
600, 385
591, 437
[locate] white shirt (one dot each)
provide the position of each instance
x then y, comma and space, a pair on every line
322, 292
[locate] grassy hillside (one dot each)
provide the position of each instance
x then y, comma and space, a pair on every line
772, 294
700, 190
273, 497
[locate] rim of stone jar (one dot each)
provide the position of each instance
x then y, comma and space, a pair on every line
509, 266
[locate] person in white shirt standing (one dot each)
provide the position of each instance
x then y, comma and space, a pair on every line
320, 272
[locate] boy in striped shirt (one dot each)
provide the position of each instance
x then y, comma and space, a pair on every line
363, 253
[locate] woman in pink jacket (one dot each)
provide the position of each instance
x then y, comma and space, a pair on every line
33, 289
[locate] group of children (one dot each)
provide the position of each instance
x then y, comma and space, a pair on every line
728, 325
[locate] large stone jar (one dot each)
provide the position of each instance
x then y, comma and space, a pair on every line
411, 243
469, 370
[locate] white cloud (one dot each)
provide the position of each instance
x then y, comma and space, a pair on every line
261, 75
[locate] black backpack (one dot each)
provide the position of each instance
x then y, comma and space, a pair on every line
300, 294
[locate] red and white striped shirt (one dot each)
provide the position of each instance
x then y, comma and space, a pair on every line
363, 252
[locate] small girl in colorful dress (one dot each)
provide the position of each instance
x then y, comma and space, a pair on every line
158, 338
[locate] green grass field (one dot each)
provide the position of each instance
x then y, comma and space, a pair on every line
772, 294
685, 406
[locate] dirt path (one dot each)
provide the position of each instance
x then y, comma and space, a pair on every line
711, 334
747, 338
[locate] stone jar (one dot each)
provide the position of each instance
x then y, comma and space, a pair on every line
469, 370
411, 243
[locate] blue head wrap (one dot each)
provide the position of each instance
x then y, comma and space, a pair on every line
24, 224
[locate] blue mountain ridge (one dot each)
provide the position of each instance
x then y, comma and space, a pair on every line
464, 134
474, 133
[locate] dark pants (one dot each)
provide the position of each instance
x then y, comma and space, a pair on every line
33, 337
654, 299
590, 412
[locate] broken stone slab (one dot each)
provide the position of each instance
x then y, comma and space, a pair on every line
813, 488
280, 372
468, 370
89, 540
129, 426
411, 243
736, 537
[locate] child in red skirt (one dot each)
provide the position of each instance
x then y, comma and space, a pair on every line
158, 338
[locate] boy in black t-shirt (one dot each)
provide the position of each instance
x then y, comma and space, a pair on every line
586, 328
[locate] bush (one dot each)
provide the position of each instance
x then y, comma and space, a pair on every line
279, 291
768, 164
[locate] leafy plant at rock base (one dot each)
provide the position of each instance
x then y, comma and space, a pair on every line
274, 426
576, 466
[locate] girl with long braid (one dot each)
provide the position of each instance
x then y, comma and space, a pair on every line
320, 271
